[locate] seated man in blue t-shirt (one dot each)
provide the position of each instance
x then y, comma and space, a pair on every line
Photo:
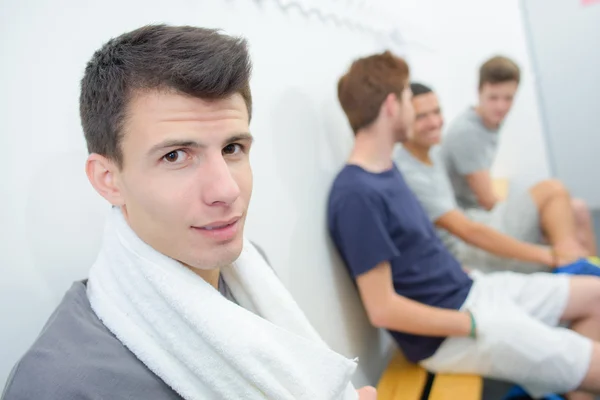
502, 325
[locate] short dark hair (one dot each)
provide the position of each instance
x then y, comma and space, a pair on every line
363, 89
499, 69
418, 89
193, 61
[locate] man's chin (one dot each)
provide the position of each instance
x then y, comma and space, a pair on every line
213, 257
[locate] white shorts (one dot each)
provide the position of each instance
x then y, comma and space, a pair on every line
517, 217
517, 335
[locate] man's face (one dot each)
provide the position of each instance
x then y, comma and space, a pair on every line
405, 115
186, 179
495, 100
427, 128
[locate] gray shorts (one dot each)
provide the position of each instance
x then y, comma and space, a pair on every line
518, 217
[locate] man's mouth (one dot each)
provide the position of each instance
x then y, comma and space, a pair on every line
220, 230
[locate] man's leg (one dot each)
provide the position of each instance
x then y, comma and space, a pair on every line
584, 225
517, 338
583, 312
558, 219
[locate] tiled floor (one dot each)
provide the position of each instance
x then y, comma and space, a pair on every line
495, 390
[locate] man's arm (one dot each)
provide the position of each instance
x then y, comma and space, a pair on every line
387, 309
492, 241
480, 183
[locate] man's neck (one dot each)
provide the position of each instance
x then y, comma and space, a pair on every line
486, 123
418, 152
373, 149
211, 276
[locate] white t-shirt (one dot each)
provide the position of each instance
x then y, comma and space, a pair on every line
431, 185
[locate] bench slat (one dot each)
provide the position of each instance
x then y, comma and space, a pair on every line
454, 386
401, 380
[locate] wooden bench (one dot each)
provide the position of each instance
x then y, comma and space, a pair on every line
403, 380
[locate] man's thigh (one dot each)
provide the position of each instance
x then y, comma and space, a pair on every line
514, 346
543, 296
584, 298
518, 216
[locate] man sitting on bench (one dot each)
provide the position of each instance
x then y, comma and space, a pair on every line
495, 241
470, 146
501, 325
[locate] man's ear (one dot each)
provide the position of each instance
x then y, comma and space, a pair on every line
391, 104
103, 174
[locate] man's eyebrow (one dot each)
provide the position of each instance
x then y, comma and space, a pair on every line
174, 143
170, 143
240, 136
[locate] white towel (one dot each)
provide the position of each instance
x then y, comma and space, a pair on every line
203, 345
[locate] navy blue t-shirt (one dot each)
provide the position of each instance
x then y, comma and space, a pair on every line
375, 217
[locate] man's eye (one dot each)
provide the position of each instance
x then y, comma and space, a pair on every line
233, 148
174, 156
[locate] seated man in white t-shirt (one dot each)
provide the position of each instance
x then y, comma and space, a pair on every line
497, 240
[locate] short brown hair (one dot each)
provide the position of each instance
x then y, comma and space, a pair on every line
498, 70
368, 82
193, 61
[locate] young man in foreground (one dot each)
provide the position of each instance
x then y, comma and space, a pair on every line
470, 147
178, 303
495, 241
500, 325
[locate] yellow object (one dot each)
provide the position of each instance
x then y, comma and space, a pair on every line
403, 380
500, 186
594, 260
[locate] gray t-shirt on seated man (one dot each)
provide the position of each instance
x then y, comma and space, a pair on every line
76, 357
516, 218
432, 187
468, 146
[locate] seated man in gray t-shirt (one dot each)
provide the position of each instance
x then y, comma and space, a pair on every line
470, 146
483, 240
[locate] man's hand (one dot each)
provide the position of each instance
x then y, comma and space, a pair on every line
480, 183
367, 393
561, 259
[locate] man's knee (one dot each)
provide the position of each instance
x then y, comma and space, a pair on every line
552, 187
581, 210
548, 189
584, 298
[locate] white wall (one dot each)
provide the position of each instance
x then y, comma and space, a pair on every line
51, 217
567, 65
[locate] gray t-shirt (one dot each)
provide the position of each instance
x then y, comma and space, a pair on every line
76, 357
468, 146
432, 187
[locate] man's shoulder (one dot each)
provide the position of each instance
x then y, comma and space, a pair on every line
76, 356
352, 181
406, 162
462, 127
